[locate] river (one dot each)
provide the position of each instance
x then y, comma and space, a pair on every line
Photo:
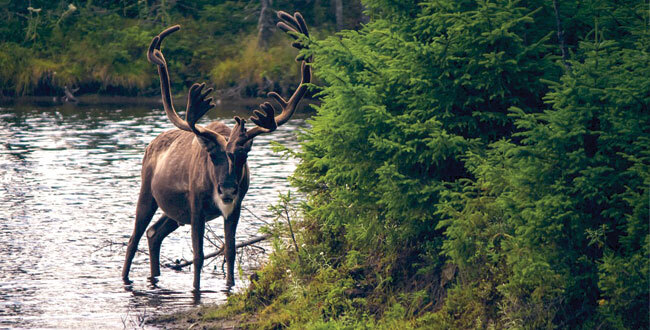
69, 180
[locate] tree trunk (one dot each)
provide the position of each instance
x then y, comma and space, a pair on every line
265, 24
338, 12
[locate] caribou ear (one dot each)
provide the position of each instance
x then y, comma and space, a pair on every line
210, 144
248, 145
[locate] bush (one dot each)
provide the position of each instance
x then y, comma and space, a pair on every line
454, 133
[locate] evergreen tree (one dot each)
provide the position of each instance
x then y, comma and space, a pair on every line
405, 99
557, 227
507, 140
464, 111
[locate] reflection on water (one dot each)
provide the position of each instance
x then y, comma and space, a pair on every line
69, 178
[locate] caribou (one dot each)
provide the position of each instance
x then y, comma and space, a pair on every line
197, 173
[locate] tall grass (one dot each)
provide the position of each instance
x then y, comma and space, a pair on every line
107, 54
255, 66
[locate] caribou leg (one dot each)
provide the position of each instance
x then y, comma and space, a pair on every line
155, 235
145, 210
230, 226
198, 229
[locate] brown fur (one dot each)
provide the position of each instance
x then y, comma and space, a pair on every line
177, 168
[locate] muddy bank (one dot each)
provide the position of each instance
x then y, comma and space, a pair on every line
200, 318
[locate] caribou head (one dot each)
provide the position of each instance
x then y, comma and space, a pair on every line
197, 173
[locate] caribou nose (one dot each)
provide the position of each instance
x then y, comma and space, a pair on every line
227, 193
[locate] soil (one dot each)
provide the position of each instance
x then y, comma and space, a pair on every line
193, 319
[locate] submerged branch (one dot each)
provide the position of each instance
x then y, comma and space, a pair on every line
179, 266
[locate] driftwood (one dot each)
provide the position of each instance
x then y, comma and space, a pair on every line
69, 94
179, 266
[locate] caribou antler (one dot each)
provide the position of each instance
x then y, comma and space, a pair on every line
197, 104
266, 122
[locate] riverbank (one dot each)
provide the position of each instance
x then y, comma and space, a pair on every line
204, 317
90, 99
101, 47
223, 107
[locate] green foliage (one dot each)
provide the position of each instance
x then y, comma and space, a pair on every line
71, 45
413, 105
565, 204
100, 46
454, 134
256, 67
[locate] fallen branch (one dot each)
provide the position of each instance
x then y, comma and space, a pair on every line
179, 266
293, 237
254, 215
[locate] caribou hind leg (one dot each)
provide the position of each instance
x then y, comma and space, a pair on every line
155, 235
145, 210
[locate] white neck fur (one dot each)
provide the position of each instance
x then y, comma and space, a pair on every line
225, 208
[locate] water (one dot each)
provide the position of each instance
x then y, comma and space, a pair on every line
69, 180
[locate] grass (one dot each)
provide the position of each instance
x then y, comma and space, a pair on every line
314, 288
107, 55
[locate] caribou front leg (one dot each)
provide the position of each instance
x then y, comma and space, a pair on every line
198, 228
230, 227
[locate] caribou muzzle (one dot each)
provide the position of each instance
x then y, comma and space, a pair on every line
227, 193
